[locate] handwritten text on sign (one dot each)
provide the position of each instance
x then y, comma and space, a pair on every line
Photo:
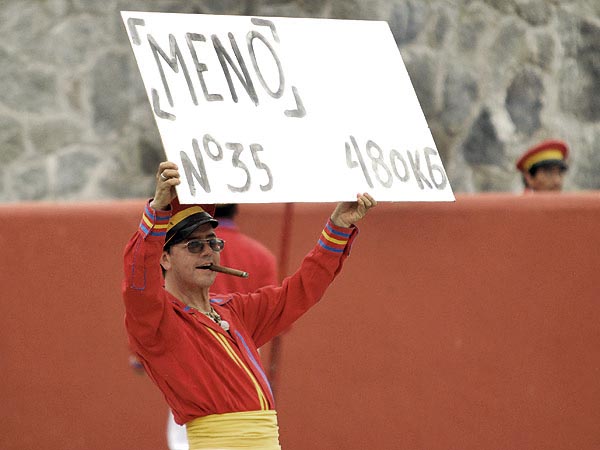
285, 110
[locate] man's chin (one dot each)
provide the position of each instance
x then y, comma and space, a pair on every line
206, 277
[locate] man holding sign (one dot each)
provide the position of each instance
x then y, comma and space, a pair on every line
200, 349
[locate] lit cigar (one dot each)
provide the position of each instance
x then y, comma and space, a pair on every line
228, 271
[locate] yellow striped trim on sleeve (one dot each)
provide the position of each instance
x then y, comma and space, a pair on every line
154, 223
335, 241
150, 224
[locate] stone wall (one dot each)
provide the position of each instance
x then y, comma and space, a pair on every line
492, 76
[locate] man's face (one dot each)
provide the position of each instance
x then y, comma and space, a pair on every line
546, 179
186, 268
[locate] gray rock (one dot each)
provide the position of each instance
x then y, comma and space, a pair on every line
406, 20
524, 101
5, 196
26, 88
188, 6
543, 51
470, 27
73, 171
118, 180
482, 146
350, 9
311, 8
11, 140
580, 77
104, 6
460, 94
491, 178
31, 181
67, 47
222, 7
510, 45
589, 60
57, 8
25, 27
151, 154
536, 12
111, 95
588, 166
440, 30
53, 134
424, 75
278, 10
504, 6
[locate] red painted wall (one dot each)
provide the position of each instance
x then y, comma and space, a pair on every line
471, 325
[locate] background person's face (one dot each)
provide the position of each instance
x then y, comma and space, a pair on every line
546, 179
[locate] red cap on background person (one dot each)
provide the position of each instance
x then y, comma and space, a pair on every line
543, 166
551, 152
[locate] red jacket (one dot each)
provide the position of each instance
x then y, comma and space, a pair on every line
200, 368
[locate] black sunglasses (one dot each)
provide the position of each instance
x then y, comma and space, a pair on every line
197, 245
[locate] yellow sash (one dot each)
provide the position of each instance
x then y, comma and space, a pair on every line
248, 430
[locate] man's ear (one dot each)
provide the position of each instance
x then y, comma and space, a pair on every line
165, 260
528, 179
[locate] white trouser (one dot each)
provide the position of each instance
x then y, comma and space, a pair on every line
176, 434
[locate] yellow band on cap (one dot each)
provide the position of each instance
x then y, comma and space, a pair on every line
184, 214
550, 154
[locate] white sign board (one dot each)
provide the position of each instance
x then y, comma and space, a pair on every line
259, 110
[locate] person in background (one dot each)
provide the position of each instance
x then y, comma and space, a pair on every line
543, 166
242, 252
201, 349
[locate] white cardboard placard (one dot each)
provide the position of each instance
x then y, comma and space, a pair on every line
260, 110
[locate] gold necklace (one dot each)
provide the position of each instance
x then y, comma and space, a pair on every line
212, 314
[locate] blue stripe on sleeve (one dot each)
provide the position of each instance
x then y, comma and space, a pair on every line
337, 233
144, 228
331, 249
150, 214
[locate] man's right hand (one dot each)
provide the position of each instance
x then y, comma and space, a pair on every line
167, 178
